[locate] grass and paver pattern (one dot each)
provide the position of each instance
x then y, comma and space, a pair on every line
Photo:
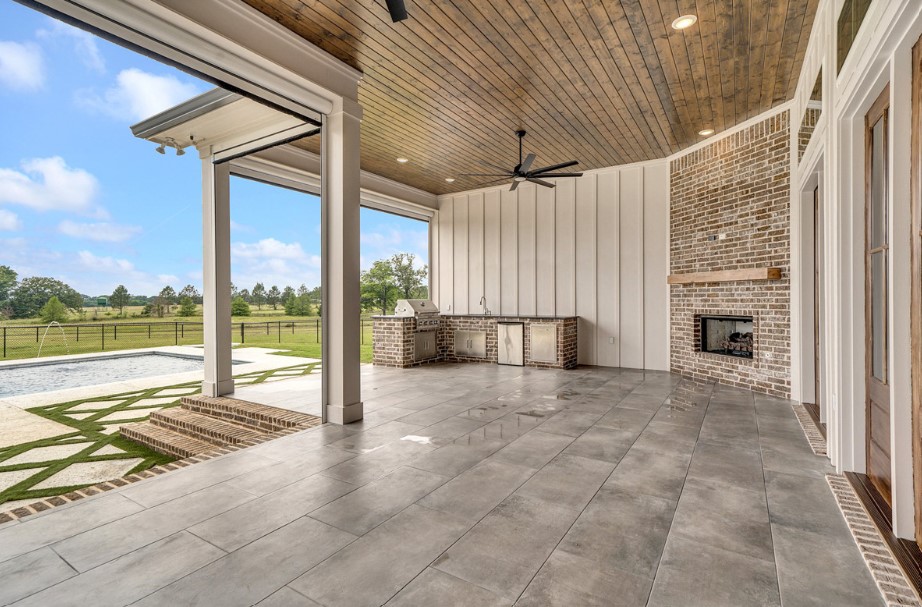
93, 451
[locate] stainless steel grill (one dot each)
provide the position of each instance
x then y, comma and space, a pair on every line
426, 312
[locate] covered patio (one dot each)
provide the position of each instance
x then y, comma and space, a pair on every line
473, 485
724, 408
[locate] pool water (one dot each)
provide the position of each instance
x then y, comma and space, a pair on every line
29, 378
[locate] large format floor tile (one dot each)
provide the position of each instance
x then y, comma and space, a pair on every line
472, 485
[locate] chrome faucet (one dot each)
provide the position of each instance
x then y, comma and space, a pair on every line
483, 304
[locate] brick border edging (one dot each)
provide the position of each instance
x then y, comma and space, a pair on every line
46, 503
884, 568
814, 437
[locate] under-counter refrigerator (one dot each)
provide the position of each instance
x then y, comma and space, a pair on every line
510, 343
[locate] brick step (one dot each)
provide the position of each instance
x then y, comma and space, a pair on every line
263, 417
164, 440
204, 427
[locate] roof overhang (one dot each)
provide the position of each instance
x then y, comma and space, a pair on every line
224, 125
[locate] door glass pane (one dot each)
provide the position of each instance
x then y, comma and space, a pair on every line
879, 315
878, 214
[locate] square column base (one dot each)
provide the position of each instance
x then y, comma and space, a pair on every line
347, 414
218, 388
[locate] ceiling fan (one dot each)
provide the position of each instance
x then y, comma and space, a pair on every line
522, 171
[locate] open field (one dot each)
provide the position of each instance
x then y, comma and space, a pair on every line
133, 314
301, 336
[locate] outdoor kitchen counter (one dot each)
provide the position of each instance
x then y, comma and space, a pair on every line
509, 317
395, 339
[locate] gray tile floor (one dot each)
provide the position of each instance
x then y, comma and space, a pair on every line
473, 485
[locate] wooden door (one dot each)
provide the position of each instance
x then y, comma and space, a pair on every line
817, 295
915, 192
876, 297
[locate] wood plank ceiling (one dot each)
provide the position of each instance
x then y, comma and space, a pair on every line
606, 83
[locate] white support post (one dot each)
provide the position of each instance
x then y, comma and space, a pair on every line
340, 199
901, 474
216, 277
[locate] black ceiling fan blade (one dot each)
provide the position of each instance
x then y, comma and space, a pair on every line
526, 164
397, 9
546, 175
546, 184
515, 184
554, 167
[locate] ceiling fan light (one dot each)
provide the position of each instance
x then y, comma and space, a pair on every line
518, 178
683, 22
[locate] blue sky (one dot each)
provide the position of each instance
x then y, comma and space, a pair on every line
84, 201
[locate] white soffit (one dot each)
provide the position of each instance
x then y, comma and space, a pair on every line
220, 121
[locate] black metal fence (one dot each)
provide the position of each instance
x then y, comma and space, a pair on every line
30, 341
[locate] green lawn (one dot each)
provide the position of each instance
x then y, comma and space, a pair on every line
300, 335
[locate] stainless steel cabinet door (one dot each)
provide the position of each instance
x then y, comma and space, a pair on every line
425, 346
543, 343
471, 344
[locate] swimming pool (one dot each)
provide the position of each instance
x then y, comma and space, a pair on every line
33, 377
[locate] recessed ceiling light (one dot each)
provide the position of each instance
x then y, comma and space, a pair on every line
706, 132
684, 21
450, 179
403, 160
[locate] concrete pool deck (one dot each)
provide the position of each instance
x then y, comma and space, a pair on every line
75, 448
255, 359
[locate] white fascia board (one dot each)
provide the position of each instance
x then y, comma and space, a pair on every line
251, 142
299, 169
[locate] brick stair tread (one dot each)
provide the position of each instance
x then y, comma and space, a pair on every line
164, 440
264, 417
204, 427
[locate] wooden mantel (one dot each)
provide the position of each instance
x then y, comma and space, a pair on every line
725, 276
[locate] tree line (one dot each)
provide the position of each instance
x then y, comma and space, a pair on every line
386, 281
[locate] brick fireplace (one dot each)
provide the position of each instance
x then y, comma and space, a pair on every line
730, 210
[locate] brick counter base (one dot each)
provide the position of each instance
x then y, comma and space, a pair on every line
394, 340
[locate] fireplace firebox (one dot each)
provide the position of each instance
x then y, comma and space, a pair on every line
727, 335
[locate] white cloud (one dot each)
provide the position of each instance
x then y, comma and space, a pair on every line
104, 264
387, 241
269, 248
99, 232
138, 95
84, 43
47, 184
22, 67
273, 262
9, 222
100, 274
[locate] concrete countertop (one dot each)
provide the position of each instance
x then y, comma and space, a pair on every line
501, 317
510, 316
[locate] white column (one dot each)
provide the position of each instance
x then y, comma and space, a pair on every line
900, 257
340, 196
216, 277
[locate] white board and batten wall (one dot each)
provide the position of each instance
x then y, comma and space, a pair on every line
596, 247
